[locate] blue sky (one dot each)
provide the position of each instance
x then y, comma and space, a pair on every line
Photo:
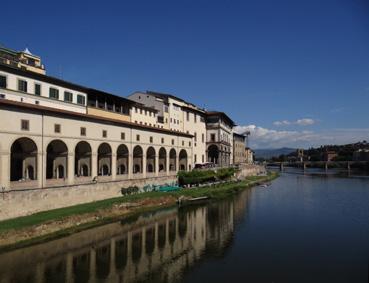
295, 73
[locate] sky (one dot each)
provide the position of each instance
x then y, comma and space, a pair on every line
294, 73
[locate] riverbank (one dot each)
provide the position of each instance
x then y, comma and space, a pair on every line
57, 223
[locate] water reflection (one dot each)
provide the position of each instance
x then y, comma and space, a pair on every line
158, 247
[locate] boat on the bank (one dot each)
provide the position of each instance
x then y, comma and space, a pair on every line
182, 201
265, 185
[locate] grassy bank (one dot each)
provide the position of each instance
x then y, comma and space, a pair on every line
64, 221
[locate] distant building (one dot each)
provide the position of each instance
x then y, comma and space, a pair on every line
239, 153
361, 155
300, 155
24, 60
249, 155
329, 155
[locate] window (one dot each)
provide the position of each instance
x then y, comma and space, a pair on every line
57, 128
2, 81
195, 118
165, 108
188, 116
136, 109
195, 158
162, 140
25, 125
68, 96
212, 137
122, 136
203, 158
203, 138
189, 143
172, 141
137, 137
195, 136
37, 89
81, 99
53, 93
83, 131
182, 143
104, 133
151, 139
22, 85
140, 111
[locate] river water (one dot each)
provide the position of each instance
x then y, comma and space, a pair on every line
302, 228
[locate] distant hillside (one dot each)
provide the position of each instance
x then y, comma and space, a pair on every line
272, 152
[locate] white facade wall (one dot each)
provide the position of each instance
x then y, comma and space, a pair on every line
143, 116
12, 93
42, 132
194, 125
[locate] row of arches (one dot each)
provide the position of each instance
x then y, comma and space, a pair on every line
24, 165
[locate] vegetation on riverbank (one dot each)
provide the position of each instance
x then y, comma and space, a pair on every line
204, 176
61, 222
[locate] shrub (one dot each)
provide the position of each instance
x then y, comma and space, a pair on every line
129, 190
203, 176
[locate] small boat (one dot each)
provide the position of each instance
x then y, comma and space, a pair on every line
265, 185
188, 201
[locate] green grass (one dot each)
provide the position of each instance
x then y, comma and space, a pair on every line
215, 192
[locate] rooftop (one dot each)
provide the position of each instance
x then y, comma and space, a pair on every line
221, 114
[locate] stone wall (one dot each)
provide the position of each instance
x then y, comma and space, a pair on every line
250, 170
24, 202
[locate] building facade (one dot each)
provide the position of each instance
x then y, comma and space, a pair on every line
178, 115
249, 155
239, 153
219, 145
57, 133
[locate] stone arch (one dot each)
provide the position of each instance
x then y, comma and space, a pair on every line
56, 160
213, 154
137, 159
82, 159
150, 160
23, 160
162, 160
172, 160
122, 159
183, 160
104, 155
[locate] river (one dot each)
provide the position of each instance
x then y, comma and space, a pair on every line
302, 228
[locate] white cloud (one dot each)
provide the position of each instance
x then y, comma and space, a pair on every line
281, 123
305, 122
267, 138
299, 122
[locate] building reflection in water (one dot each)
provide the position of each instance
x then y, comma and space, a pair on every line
158, 247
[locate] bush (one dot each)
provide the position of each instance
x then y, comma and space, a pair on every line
129, 190
204, 176
225, 173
